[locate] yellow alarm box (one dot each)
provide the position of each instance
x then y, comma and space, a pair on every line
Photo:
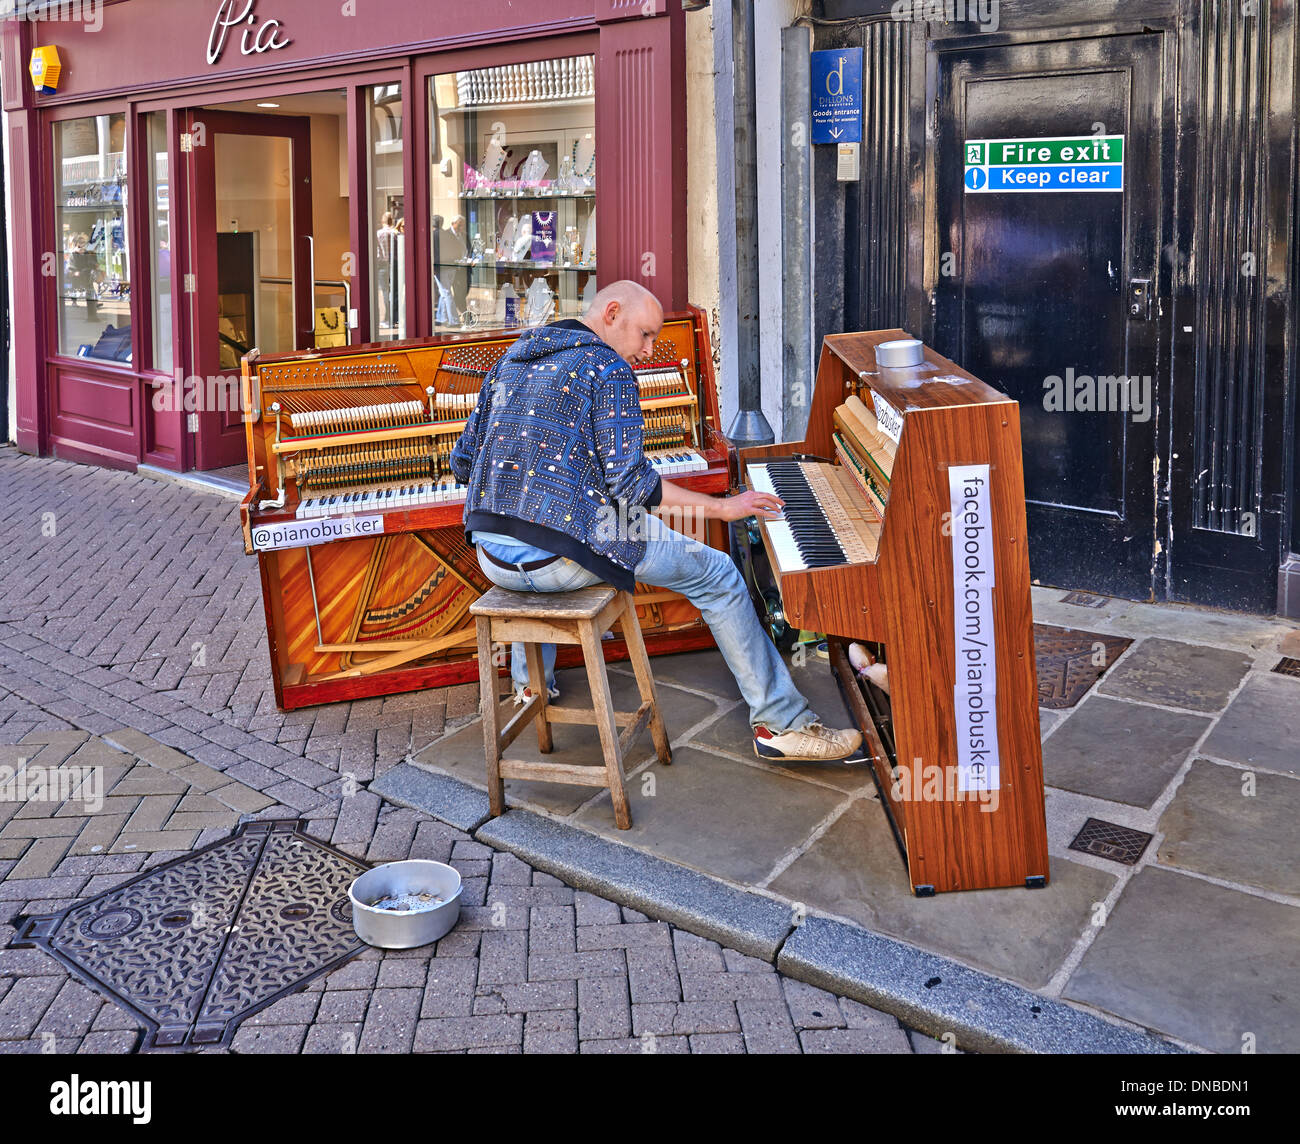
45, 68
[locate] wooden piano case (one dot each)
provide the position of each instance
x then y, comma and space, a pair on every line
903, 597
374, 615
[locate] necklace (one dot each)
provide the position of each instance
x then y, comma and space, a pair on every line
544, 218
325, 317
590, 166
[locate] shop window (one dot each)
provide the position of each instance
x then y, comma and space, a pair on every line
387, 214
513, 193
90, 222
160, 242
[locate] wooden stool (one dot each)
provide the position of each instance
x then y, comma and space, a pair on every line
581, 617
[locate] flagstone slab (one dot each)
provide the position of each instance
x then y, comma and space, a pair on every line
1201, 962
1235, 825
461, 754
1177, 675
715, 814
696, 670
1122, 752
1261, 727
855, 870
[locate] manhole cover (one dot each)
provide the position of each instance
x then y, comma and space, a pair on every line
1110, 840
1070, 662
1084, 600
195, 945
1288, 666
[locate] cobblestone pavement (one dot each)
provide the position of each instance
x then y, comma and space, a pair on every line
132, 639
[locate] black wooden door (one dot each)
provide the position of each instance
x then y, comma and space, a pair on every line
1055, 295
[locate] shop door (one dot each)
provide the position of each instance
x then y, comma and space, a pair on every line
251, 252
1054, 296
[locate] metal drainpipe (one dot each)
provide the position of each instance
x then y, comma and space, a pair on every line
750, 426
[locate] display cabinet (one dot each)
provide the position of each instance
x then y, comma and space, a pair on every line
513, 194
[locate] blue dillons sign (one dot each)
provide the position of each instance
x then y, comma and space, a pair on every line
836, 83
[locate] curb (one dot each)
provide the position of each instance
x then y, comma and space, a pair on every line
927, 992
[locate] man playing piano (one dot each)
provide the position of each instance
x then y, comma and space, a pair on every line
552, 455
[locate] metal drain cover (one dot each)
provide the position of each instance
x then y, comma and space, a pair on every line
1068, 662
1288, 666
1084, 600
1110, 840
195, 945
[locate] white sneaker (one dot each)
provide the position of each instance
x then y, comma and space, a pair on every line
523, 694
813, 743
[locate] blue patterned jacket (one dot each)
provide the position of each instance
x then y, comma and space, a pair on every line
552, 452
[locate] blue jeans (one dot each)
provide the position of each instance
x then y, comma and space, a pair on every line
709, 580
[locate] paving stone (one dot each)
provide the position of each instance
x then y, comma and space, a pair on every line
390, 1021
652, 976
854, 871
1177, 675
576, 966
268, 1038
41, 858
697, 954
153, 752
241, 798
441, 1033
649, 1045
153, 840
341, 1038
359, 973
109, 1043
153, 812
25, 1004
71, 1012
1196, 995
147, 780
855, 1041
1235, 825
538, 995
1121, 752
717, 1043
810, 1007
403, 971
728, 987
767, 1027
449, 988
343, 1005
113, 1018
552, 1031
98, 834
1261, 727
643, 935
551, 929
604, 1010
593, 910
503, 958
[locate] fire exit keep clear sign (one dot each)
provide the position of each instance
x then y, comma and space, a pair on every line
1020, 166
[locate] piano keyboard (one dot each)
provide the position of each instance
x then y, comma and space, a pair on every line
671, 462
417, 494
815, 530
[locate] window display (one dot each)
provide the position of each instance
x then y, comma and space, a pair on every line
513, 193
90, 216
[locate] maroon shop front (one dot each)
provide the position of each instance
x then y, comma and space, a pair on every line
220, 175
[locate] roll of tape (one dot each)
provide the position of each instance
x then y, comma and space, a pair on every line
902, 352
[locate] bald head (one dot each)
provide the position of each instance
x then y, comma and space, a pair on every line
627, 317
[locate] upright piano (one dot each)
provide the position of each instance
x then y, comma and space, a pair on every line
355, 516
904, 528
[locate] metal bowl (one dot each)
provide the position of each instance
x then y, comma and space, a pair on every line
900, 353
392, 929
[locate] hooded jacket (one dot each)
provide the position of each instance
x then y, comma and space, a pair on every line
552, 453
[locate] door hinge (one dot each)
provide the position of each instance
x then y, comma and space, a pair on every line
187, 142
192, 422
191, 283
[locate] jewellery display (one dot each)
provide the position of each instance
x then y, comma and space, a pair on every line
539, 303
489, 160
543, 234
